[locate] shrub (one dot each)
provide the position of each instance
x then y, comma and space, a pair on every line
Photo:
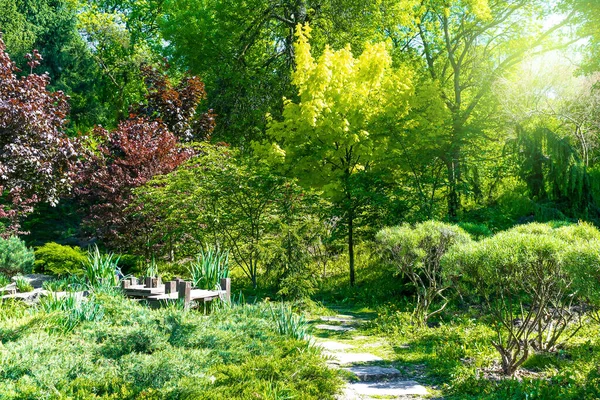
211, 266
15, 257
300, 283
528, 279
59, 260
416, 252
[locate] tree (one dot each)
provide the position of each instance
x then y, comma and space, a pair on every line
36, 157
244, 50
466, 47
51, 26
127, 157
219, 199
176, 105
335, 138
145, 145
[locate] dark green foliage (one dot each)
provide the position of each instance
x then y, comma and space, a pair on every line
477, 231
552, 167
15, 257
59, 260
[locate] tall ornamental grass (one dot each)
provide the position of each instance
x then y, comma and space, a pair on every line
211, 266
101, 269
288, 323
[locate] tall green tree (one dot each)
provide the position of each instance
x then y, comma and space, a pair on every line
336, 136
244, 50
466, 47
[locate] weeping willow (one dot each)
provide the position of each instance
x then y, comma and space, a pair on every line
554, 173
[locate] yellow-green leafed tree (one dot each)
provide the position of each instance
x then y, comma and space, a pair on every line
348, 114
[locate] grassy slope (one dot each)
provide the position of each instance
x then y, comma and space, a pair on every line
137, 353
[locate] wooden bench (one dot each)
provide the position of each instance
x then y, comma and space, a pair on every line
155, 292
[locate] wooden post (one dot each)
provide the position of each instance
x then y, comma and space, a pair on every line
133, 280
185, 291
154, 282
226, 286
170, 287
148, 282
125, 284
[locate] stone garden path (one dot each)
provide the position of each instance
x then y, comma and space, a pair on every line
365, 360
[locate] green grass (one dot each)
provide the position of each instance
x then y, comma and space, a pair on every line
133, 352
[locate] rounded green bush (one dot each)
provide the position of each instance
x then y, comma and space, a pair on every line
529, 279
59, 260
416, 251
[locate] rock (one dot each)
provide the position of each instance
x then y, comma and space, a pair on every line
390, 388
9, 289
28, 297
335, 328
369, 373
35, 280
334, 346
352, 358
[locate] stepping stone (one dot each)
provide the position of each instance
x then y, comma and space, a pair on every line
336, 328
352, 358
369, 373
10, 289
28, 297
374, 344
334, 346
391, 388
338, 318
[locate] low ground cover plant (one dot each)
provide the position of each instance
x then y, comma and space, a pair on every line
101, 269
23, 284
211, 265
134, 352
4, 281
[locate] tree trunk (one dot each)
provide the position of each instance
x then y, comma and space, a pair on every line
351, 245
453, 166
